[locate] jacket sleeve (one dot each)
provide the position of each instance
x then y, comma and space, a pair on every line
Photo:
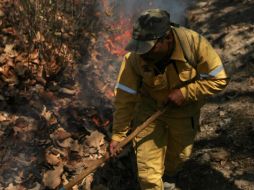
212, 76
126, 97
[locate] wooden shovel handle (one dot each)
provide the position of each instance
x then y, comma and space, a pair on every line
95, 164
100, 161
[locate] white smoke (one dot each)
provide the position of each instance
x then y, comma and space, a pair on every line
176, 8
115, 11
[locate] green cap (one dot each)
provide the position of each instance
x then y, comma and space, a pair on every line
151, 25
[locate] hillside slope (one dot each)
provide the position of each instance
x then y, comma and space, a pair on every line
224, 150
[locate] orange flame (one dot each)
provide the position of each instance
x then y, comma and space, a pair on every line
99, 123
120, 27
121, 34
96, 120
106, 123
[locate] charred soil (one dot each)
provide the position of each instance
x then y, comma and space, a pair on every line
57, 77
223, 152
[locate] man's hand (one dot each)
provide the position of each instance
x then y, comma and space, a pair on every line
113, 148
175, 96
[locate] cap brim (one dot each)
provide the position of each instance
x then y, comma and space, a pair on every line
140, 47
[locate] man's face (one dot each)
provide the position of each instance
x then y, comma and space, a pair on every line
160, 50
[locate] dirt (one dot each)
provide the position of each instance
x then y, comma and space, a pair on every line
56, 114
224, 149
223, 156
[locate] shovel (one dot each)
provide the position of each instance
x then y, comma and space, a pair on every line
100, 161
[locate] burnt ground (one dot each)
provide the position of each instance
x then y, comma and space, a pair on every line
223, 155
56, 95
224, 148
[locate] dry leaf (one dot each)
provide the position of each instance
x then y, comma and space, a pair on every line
5, 70
219, 155
40, 71
10, 30
63, 153
67, 91
49, 116
53, 159
34, 55
88, 182
96, 139
20, 57
52, 68
66, 143
11, 80
52, 178
4, 116
11, 187
39, 37
74, 165
76, 147
1, 13
21, 122
60, 134
8, 48
22, 160
37, 187
3, 59
22, 126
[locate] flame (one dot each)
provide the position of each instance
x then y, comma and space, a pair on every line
99, 122
119, 36
96, 120
109, 93
106, 123
120, 26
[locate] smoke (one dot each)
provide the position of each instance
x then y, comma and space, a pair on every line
131, 8
106, 53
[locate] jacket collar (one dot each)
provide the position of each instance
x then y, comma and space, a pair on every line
177, 54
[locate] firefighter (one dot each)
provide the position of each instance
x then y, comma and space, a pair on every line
167, 65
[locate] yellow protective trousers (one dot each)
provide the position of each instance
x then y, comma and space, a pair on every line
163, 146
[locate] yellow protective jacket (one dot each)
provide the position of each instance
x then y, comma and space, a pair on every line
137, 82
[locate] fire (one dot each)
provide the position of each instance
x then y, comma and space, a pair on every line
120, 25
99, 122
96, 120
120, 34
